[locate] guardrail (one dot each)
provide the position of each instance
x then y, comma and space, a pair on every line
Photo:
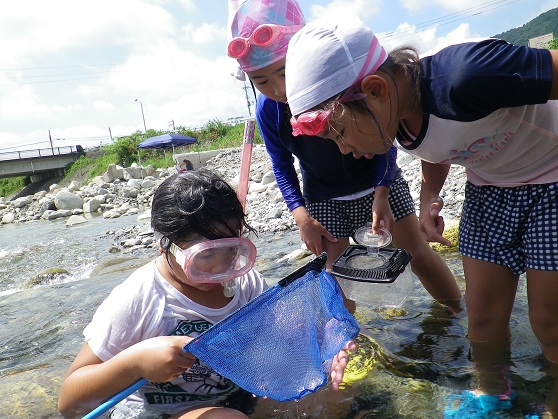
42, 152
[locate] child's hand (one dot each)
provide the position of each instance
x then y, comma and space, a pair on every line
382, 216
432, 223
340, 361
311, 231
162, 359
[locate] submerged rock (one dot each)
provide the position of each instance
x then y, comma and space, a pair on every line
46, 276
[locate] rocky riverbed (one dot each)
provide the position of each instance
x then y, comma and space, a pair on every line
128, 192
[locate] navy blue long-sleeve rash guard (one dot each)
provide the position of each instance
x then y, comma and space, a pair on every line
326, 173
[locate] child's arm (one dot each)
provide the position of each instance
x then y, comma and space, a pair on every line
89, 381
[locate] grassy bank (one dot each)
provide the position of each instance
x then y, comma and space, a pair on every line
215, 135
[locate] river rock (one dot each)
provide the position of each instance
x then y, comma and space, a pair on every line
114, 265
66, 200
93, 204
113, 172
75, 219
74, 186
8, 218
129, 192
134, 183
111, 214
22, 201
46, 276
111, 195
148, 183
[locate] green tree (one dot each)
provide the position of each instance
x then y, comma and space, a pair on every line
553, 44
9, 186
125, 148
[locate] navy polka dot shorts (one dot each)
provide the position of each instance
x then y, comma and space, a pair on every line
515, 227
342, 217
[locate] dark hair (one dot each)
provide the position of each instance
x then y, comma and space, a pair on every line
196, 203
402, 60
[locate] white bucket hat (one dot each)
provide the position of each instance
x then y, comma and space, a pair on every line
326, 57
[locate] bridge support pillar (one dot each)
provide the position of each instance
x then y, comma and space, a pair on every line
47, 175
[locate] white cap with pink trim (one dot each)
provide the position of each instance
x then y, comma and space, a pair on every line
326, 57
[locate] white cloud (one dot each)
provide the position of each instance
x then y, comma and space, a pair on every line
338, 8
423, 40
207, 33
75, 68
450, 5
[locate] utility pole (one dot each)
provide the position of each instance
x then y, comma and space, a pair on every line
142, 115
50, 138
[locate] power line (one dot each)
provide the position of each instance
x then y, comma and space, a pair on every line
61, 66
449, 18
56, 81
60, 75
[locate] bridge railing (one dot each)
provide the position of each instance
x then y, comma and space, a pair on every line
42, 152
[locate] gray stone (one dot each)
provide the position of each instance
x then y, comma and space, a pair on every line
22, 201
8, 218
75, 219
66, 200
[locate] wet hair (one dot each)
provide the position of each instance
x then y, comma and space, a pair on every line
196, 203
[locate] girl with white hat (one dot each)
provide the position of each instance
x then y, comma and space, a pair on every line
486, 105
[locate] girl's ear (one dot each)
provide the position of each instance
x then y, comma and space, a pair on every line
375, 86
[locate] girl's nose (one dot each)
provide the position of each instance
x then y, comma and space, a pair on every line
343, 147
280, 90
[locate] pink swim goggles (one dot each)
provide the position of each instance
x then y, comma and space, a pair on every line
216, 261
263, 36
310, 123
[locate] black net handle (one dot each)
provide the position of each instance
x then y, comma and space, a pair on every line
316, 264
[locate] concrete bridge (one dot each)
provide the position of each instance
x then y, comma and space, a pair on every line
41, 164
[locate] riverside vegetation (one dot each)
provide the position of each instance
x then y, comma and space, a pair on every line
214, 135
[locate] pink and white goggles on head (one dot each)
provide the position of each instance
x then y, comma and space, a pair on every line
263, 36
216, 261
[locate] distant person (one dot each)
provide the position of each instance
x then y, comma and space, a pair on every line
186, 166
203, 274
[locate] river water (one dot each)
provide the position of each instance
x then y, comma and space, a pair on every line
410, 361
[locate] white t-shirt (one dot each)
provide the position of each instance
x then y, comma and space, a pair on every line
144, 306
486, 108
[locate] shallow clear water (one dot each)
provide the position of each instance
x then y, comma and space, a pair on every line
410, 360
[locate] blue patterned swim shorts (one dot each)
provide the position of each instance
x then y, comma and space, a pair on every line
516, 226
343, 217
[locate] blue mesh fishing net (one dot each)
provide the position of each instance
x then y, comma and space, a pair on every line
280, 344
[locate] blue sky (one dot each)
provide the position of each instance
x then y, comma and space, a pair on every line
76, 67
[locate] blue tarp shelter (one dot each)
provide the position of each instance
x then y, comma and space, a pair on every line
165, 141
